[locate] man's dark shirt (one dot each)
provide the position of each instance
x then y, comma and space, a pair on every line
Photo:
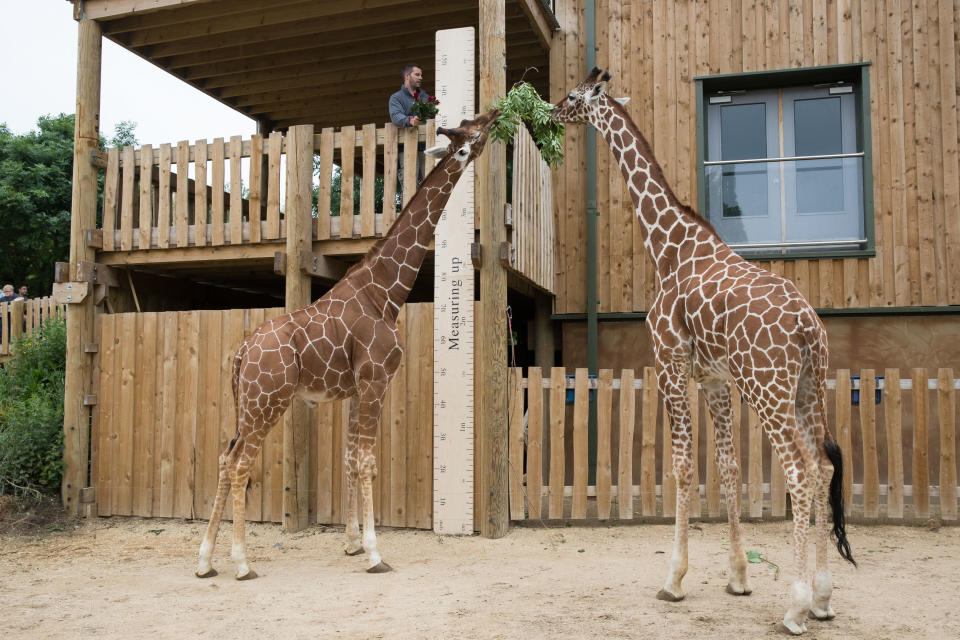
400, 104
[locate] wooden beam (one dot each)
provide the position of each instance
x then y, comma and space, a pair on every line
296, 422
534, 11
106, 9
80, 317
182, 15
491, 334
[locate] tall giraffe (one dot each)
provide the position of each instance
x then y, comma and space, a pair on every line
717, 318
343, 345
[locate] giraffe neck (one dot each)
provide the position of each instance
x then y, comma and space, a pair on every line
396, 259
670, 230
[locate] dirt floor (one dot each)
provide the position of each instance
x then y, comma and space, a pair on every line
130, 577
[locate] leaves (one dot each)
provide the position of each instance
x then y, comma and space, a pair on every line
753, 556
523, 105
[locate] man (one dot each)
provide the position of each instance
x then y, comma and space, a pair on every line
401, 116
8, 294
402, 100
23, 292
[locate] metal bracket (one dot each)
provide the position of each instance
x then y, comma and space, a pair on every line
320, 266
70, 292
508, 216
476, 255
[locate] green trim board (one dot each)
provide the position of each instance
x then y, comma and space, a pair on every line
858, 75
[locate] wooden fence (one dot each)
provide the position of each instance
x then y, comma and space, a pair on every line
531, 224
897, 434
165, 411
34, 312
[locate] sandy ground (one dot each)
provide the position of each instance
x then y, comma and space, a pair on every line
131, 577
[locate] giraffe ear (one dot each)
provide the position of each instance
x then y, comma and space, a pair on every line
438, 151
622, 101
598, 90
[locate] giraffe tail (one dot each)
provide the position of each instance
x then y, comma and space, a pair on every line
237, 362
836, 500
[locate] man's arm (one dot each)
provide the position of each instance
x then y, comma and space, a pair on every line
397, 113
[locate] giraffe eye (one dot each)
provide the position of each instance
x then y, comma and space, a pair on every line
571, 97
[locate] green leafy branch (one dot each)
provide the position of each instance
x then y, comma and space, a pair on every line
523, 105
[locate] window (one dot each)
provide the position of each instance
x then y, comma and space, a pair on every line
784, 161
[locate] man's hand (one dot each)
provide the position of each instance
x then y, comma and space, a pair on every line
415, 121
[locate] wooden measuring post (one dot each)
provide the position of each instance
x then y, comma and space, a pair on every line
453, 309
80, 316
491, 385
296, 423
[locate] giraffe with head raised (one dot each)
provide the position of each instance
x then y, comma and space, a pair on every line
717, 318
344, 345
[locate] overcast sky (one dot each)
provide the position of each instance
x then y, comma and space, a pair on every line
38, 76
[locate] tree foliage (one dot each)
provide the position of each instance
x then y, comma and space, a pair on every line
36, 178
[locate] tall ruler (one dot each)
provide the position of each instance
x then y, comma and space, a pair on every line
453, 304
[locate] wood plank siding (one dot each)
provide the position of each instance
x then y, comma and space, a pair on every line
654, 51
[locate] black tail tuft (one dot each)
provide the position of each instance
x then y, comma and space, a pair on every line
836, 500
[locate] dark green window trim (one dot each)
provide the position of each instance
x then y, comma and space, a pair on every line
856, 73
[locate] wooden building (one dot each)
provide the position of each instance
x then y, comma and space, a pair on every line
196, 242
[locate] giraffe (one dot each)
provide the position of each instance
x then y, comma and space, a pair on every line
344, 345
717, 318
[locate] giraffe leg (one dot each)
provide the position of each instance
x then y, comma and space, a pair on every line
239, 477
673, 385
369, 404
718, 400
204, 565
353, 546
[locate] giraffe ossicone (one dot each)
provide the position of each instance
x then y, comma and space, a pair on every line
344, 345
717, 318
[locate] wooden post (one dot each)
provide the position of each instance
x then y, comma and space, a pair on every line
80, 316
296, 423
490, 336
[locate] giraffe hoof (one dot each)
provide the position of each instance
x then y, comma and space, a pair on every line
249, 575
353, 553
383, 567
822, 614
792, 629
666, 596
742, 592
208, 574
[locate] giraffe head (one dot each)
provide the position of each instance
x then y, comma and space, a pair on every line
584, 102
466, 141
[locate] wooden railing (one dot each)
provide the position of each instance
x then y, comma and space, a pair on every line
897, 435
150, 200
531, 248
32, 314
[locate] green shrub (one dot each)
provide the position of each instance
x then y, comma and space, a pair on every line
31, 412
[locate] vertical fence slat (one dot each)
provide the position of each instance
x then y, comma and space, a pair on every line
403, 423
694, 398
325, 172
581, 402
430, 162
208, 413
182, 212
123, 479
515, 455
534, 441
389, 175
410, 136
755, 469
233, 336
187, 345
274, 153
921, 463
323, 414
557, 457
628, 405
648, 443
236, 191
256, 185
948, 461
844, 435
348, 141
126, 200
668, 482
216, 192
163, 198
892, 418
367, 180
200, 203
424, 466
107, 403
146, 186
143, 434
604, 399
868, 431
111, 186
